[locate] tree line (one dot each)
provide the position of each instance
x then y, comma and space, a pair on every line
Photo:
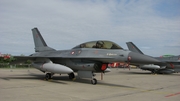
6, 59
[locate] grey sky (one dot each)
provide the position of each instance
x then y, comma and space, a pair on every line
153, 25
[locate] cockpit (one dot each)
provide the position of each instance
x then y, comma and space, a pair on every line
99, 44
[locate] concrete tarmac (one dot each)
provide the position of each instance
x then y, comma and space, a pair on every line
118, 85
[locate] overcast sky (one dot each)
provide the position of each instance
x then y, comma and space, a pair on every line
153, 25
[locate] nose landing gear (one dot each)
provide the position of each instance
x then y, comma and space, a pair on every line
94, 81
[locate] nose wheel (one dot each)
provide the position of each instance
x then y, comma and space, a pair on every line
94, 81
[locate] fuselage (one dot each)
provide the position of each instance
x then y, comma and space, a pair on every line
92, 59
83, 58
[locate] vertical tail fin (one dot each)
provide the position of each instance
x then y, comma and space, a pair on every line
132, 47
40, 44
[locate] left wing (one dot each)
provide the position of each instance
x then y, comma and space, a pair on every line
20, 59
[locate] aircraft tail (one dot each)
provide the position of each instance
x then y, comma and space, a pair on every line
40, 44
132, 47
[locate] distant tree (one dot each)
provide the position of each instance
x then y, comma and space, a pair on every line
22, 55
6, 58
28, 62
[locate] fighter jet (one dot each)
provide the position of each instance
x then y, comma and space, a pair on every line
169, 64
85, 59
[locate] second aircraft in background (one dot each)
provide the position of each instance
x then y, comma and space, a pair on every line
170, 64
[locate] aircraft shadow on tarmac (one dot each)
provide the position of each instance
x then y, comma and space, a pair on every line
60, 79
146, 73
57, 78
31, 77
132, 72
87, 81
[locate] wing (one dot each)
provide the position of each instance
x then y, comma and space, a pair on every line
20, 59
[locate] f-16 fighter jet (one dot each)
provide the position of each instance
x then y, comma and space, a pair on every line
170, 64
85, 59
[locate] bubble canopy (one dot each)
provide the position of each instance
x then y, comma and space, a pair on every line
101, 44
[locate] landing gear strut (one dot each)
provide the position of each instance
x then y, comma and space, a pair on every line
154, 71
89, 75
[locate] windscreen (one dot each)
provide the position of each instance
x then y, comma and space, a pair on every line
99, 44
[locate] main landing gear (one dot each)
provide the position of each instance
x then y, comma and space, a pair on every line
71, 76
48, 76
154, 71
81, 74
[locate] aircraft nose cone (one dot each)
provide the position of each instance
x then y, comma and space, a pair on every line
141, 58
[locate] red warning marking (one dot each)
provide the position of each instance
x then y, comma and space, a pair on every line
103, 67
172, 94
172, 65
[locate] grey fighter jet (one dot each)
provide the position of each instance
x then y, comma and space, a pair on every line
85, 59
170, 64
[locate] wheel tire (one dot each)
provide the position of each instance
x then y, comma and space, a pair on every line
48, 76
71, 76
153, 72
94, 81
